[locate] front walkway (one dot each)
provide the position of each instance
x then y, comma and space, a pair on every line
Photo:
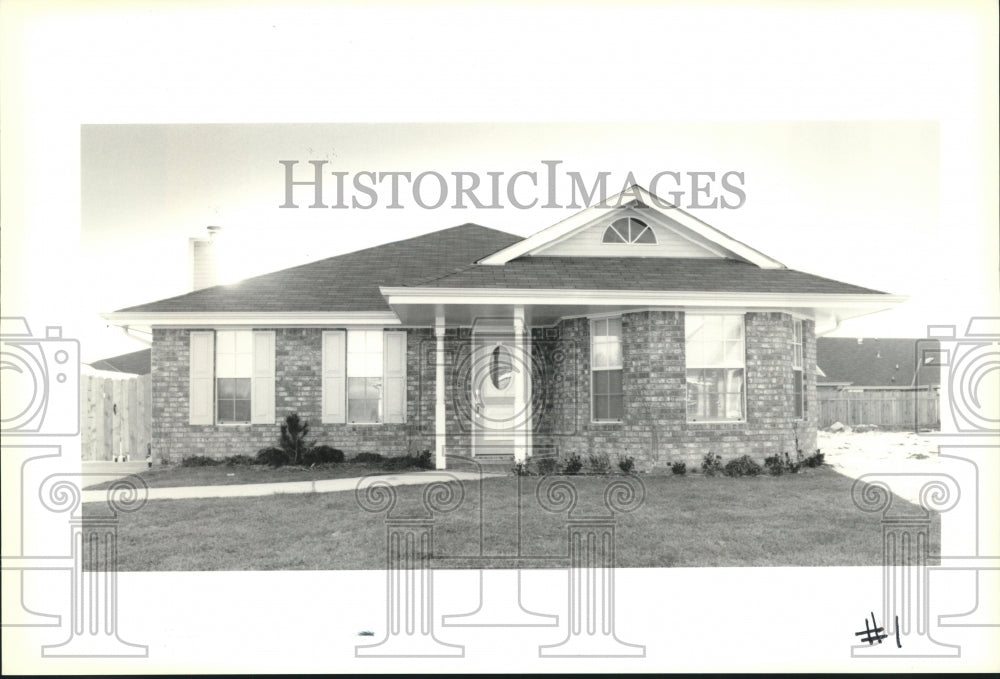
323, 486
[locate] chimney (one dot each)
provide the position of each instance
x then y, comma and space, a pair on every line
204, 270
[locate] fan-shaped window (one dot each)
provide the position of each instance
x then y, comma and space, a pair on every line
629, 230
501, 367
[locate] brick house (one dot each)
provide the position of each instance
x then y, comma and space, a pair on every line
630, 328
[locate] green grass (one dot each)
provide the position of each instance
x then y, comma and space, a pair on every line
224, 475
806, 519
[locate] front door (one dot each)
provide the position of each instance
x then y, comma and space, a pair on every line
494, 381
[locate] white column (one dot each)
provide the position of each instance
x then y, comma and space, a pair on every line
522, 364
439, 406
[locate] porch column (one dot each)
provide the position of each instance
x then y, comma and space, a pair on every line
439, 388
522, 378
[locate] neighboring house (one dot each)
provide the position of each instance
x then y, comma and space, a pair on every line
864, 364
134, 363
626, 329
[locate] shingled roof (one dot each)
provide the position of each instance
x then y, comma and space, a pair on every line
446, 259
641, 273
135, 363
348, 282
868, 362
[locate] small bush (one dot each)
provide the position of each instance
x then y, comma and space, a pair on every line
599, 464
238, 460
814, 460
711, 464
272, 457
368, 458
521, 469
742, 466
626, 464
322, 455
573, 464
293, 438
773, 465
425, 460
199, 461
679, 468
793, 467
547, 465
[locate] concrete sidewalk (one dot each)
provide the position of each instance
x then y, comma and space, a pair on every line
292, 487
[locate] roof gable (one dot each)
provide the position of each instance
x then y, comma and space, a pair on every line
634, 232
634, 200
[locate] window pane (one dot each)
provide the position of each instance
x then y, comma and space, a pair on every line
241, 410
225, 365
244, 365
615, 407
614, 355
614, 381
601, 381
355, 341
612, 236
713, 354
243, 388
243, 341
600, 358
373, 341
646, 236
373, 365
694, 328
734, 352
355, 363
226, 387
614, 327
733, 326
713, 328
225, 342
373, 388
355, 387
226, 410
601, 407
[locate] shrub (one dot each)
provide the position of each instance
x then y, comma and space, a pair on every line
774, 465
793, 467
711, 464
272, 457
293, 438
599, 464
626, 464
573, 464
521, 469
424, 460
742, 466
368, 458
199, 461
679, 468
547, 465
322, 455
236, 460
815, 460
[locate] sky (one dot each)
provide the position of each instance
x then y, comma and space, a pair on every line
851, 200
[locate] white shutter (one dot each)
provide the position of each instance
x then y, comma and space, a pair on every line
201, 380
262, 395
334, 376
394, 377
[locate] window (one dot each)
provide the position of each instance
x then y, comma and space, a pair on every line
233, 375
798, 375
629, 230
501, 368
714, 353
364, 376
606, 370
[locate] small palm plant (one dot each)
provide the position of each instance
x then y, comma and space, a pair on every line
293, 438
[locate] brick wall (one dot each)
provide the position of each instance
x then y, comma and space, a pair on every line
298, 387
654, 428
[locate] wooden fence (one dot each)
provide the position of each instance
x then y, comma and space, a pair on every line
116, 416
888, 408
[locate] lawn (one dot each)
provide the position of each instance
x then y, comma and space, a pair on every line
805, 519
175, 476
